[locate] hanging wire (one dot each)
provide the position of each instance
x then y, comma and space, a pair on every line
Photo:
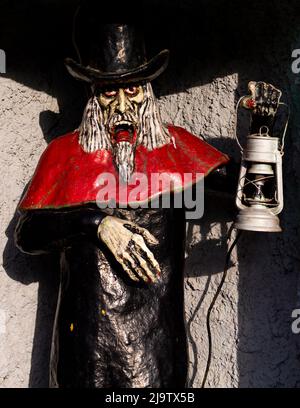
190, 381
285, 127
213, 302
74, 43
235, 125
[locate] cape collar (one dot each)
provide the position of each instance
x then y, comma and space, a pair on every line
67, 176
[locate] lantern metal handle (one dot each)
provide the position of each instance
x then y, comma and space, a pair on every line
285, 127
284, 130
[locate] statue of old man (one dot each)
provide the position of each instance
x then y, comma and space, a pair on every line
120, 317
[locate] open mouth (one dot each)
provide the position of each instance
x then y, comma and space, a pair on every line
123, 131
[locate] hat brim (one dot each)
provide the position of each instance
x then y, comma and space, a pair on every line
146, 72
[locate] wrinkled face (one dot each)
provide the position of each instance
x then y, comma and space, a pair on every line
121, 111
118, 120
120, 108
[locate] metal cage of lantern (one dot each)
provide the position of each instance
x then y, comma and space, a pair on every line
261, 162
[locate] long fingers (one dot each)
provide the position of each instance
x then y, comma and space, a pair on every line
134, 265
127, 268
145, 257
140, 261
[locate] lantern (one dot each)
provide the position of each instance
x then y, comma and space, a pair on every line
260, 187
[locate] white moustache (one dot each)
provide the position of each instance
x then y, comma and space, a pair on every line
117, 118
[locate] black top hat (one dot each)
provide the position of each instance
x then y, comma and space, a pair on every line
118, 58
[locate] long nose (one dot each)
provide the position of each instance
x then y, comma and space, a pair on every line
121, 105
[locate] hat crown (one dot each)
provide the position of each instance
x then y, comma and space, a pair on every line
121, 48
111, 54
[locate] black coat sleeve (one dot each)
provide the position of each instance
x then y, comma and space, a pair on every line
223, 180
44, 231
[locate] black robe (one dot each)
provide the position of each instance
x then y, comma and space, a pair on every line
110, 331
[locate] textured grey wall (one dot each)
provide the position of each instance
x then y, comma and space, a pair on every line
253, 345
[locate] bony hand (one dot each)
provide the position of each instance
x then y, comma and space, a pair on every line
126, 241
263, 99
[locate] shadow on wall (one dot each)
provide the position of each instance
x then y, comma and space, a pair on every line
267, 350
206, 259
43, 269
248, 41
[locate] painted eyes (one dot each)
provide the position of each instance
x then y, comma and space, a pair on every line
130, 91
110, 94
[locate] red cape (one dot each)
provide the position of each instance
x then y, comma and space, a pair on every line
68, 176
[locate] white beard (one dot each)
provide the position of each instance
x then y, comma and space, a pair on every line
124, 155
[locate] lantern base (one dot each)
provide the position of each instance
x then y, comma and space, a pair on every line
257, 218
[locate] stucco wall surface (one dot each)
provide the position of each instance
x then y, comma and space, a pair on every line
253, 344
